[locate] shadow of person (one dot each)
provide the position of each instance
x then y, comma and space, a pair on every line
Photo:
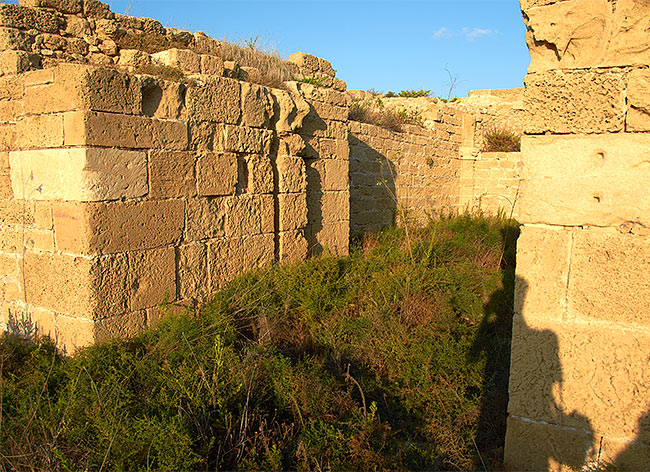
541, 434
636, 456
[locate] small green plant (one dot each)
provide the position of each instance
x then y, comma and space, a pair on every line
390, 94
414, 93
501, 140
317, 81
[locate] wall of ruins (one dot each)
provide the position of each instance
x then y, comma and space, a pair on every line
579, 372
412, 174
121, 189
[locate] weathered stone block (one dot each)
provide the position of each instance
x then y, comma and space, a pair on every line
293, 211
183, 59
25, 18
335, 206
205, 218
243, 215
119, 327
64, 6
211, 65
638, 98
77, 87
292, 175
293, 246
83, 174
610, 277
542, 274
11, 88
137, 132
247, 140
259, 173
171, 174
219, 100
152, 277
579, 375
584, 101
192, 270
538, 446
7, 137
75, 285
39, 131
74, 333
257, 105
95, 228
229, 257
216, 174
585, 180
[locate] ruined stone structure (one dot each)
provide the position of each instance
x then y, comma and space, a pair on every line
141, 164
580, 372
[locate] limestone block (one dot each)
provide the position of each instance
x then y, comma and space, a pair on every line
247, 140
218, 100
335, 174
290, 109
334, 237
82, 287
24, 18
257, 105
229, 257
293, 211
327, 111
292, 174
96, 228
293, 246
163, 99
205, 218
82, 174
73, 333
97, 9
584, 101
211, 65
11, 88
78, 87
14, 62
580, 375
134, 58
267, 213
610, 277
7, 136
206, 45
587, 33
10, 110
306, 62
136, 132
243, 215
638, 98
152, 277
192, 270
39, 131
626, 454
538, 446
15, 39
586, 180
216, 174
335, 206
259, 173
121, 326
183, 59
171, 174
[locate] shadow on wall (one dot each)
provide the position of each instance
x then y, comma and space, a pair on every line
557, 439
373, 196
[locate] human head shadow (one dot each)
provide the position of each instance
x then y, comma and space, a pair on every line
523, 374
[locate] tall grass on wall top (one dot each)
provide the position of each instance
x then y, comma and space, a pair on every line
375, 113
388, 359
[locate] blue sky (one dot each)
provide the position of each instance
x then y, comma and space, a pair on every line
380, 44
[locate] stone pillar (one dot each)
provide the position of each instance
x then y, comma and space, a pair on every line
580, 371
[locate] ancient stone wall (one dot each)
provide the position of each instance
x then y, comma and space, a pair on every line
579, 373
411, 174
122, 188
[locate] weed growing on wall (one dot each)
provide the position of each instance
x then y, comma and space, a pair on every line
414, 93
391, 358
501, 140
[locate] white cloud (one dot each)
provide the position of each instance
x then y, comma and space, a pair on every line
470, 34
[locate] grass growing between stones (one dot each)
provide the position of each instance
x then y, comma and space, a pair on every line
395, 357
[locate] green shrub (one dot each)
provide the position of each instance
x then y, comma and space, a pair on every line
375, 113
501, 140
414, 93
379, 360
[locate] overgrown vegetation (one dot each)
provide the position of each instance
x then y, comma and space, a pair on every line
501, 140
375, 113
414, 93
395, 357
